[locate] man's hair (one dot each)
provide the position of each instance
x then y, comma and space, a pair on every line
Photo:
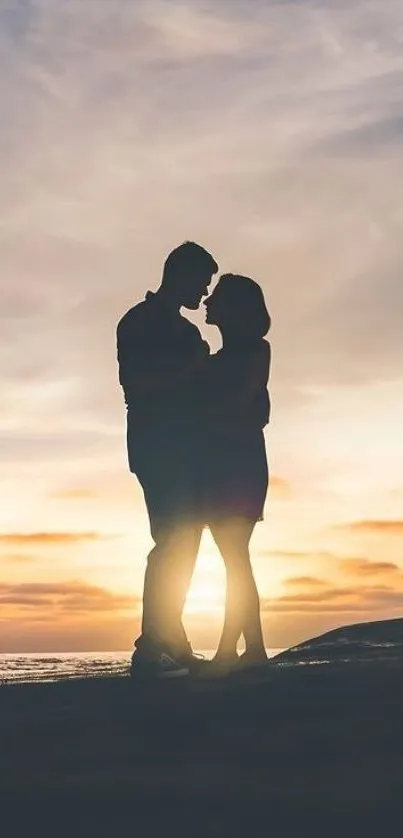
185, 258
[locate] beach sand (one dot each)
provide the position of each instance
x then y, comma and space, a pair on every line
316, 750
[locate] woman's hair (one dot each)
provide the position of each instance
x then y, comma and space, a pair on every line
246, 304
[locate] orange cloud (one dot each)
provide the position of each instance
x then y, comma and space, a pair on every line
75, 494
298, 554
279, 488
367, 568
116, 487
305, 581
49, 537
327, 595
64, 597
371, 527
338, 600
19, 558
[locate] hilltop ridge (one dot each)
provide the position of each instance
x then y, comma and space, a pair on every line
378, 639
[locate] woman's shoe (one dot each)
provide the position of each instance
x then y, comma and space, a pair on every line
218, 668
251, 662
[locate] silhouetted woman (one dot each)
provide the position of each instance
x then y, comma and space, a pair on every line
235, 465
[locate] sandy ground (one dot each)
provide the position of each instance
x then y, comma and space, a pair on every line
315, 750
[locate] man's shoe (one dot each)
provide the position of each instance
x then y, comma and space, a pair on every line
162, 667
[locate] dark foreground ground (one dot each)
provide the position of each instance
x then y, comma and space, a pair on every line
315, 751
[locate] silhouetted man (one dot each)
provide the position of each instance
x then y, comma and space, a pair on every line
158, 354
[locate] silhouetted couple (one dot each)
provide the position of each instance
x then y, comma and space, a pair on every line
195, 442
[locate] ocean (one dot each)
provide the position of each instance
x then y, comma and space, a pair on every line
339, 646
61, 666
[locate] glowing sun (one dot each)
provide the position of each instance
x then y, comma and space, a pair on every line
205, 596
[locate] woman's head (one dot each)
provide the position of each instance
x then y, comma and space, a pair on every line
238, 308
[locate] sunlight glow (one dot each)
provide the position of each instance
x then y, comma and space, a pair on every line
205, 597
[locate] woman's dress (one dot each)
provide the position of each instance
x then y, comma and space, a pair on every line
234, 466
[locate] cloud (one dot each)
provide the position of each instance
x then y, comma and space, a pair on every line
57, 445
118, 486
232, 111
279, 488
64, 598
357, 566
343, 600
45, 538
305, 582
184, 32
360, 318
75, 494
375, 137
19, 558
371, 527
327, 595
296, 555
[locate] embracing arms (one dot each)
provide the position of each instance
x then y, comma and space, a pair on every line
147, 363
235, 381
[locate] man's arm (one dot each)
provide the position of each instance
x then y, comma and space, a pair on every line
145, 367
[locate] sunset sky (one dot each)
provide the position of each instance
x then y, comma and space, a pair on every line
271, 133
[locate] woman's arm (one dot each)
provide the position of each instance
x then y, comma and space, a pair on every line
234, 380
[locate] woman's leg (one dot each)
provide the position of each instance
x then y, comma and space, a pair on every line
242, 608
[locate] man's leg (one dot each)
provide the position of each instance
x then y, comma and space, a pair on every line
169, 571
166, 470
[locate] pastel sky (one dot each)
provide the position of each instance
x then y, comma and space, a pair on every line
272, 133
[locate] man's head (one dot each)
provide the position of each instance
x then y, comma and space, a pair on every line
188, 271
